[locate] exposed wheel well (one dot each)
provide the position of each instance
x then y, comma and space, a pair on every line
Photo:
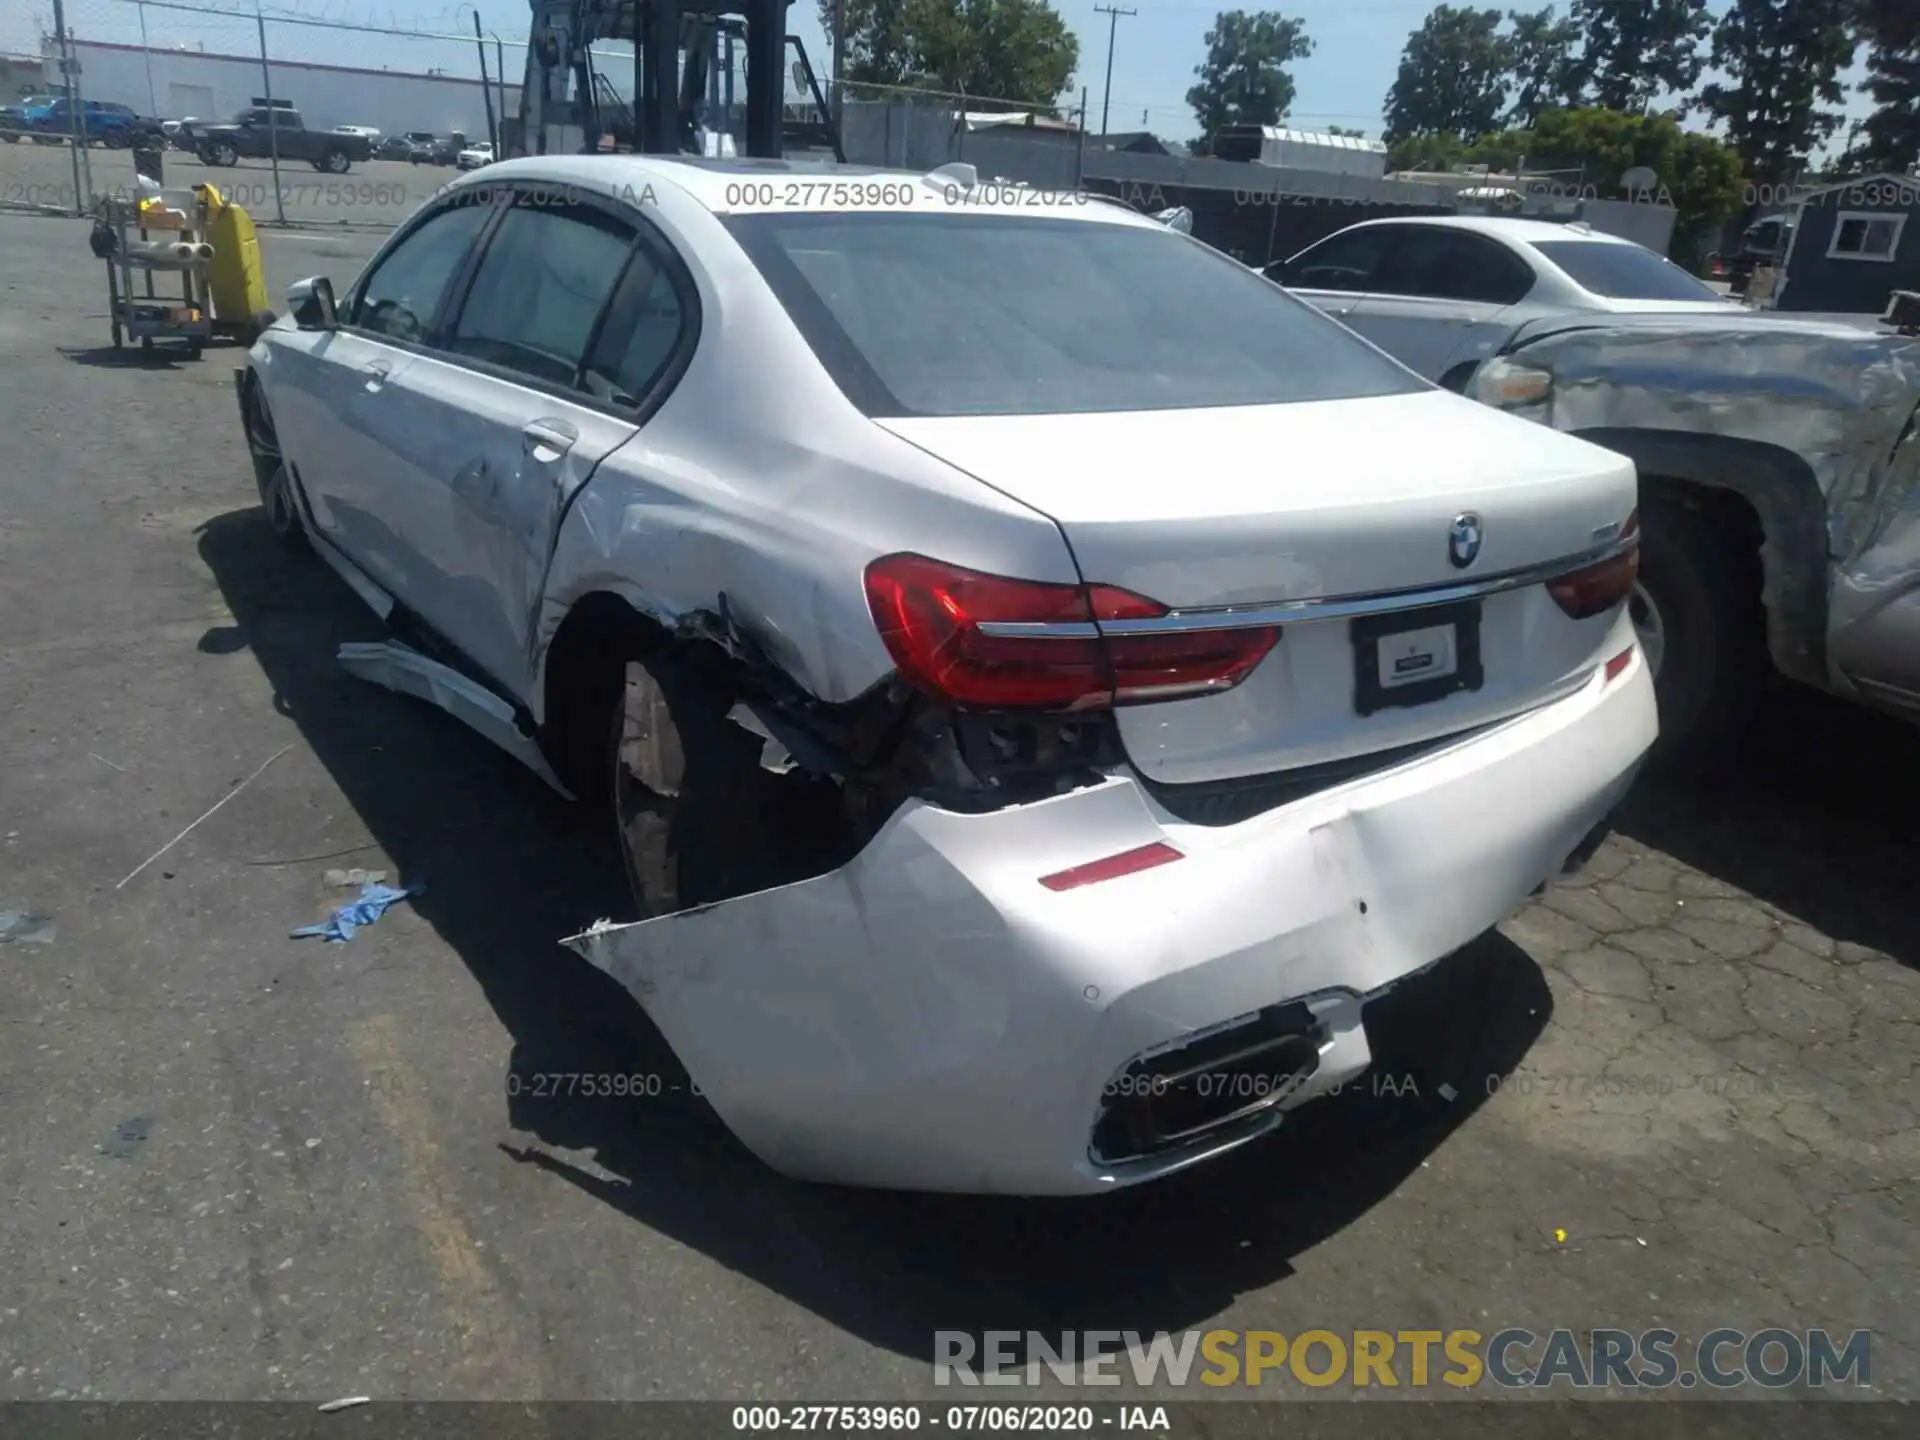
1727, 515
582, 677
1732, 513
1768, 505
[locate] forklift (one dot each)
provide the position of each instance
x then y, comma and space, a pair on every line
683, 80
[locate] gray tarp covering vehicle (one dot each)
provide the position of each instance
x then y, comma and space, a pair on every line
1779, 467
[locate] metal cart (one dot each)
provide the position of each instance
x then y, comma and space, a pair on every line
136, 246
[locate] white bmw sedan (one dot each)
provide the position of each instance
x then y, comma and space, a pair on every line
1045, 679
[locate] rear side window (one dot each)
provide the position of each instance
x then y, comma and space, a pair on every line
959, 314
402, 295
1622, 272
641, 334
547, 274
1444, 264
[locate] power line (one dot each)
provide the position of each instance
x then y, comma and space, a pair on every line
1113, 23
281, 17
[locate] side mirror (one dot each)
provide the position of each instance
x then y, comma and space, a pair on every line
311, 303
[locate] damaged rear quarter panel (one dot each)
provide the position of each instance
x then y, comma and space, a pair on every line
1842, 524
758, 481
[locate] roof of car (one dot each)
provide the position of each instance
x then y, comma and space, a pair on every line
1527, 231
807, 183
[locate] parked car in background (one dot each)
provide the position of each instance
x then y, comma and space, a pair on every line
395, 147
1765, 242
1779, 459
438, 150
96, 121
474, 156
263, 130
993, 747
365, 132
15, 123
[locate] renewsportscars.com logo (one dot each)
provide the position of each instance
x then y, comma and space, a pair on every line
1512, 1358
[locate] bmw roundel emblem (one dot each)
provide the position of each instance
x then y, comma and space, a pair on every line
1463, 540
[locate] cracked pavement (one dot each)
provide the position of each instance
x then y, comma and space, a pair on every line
1681, 1086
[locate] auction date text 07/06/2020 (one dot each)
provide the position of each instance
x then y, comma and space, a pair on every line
891, 1418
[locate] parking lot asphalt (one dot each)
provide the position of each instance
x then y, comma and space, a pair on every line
1679, 1090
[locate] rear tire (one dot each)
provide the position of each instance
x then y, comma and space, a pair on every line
275, 482
1698, 613
699, 820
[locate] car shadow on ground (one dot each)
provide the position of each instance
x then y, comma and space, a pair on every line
1816, 810
513, 867
165, 355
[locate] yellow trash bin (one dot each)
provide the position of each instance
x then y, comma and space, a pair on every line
236, 279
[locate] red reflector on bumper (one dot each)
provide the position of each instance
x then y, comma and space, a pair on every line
1127, 862
1617, 664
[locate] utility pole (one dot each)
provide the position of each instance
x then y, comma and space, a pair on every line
146, 53
1113, 15
273, 117
839, 63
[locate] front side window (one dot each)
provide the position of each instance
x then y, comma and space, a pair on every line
547, 274
1347, 262
959, 314
402, 295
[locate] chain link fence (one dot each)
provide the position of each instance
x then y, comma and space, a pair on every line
368, 120
172, 77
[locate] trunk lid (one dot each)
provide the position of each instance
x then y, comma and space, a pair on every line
1316, 501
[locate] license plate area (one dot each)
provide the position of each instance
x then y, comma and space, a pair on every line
1414, 657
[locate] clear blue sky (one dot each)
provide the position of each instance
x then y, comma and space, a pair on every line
1356, 46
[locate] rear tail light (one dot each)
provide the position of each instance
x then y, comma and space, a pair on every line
1600, 587
986, 642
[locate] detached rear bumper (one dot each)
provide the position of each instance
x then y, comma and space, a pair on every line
930, 1016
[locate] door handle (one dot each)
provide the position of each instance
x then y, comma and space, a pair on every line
556, 436
376, 372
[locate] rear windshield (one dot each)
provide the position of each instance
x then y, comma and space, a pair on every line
1622, 272
956, 314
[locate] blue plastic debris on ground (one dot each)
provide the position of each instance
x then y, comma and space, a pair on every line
26, 927
373, 903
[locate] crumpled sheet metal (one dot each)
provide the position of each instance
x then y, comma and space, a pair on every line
1841, 398
399, 668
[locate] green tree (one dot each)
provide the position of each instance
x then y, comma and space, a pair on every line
1006, 50
1453, 76
1634, 50
1343, 130
1244, 79
1698, 175
1889, 138
1783, 60
1426, 152
1539, 54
